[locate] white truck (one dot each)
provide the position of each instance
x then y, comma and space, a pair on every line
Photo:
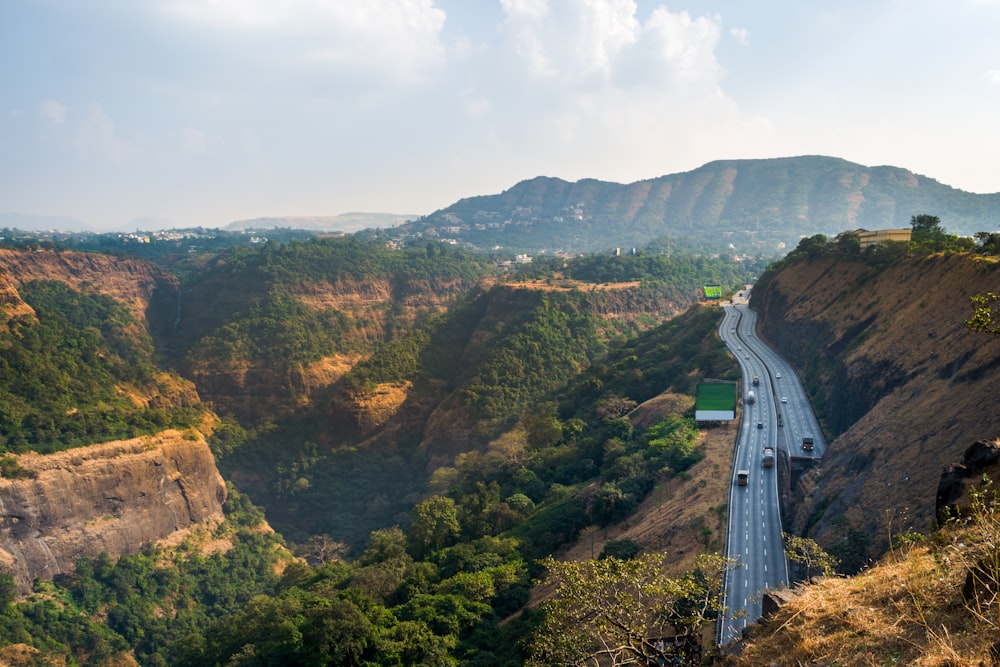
768, 457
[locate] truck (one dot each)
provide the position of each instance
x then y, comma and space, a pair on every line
756, 380
768, 457
807, 443
750, 397
742, 476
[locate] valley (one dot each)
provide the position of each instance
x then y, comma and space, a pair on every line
423, 427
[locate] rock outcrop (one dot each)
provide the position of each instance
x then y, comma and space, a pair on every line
116, 497
131, 281
900, 385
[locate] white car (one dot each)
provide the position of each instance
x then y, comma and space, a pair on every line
777, 375
784, 400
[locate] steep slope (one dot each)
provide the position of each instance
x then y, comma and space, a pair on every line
131, 282
116, 497
264, 331
900, 385
755, 205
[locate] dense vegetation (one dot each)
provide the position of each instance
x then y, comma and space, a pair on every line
537, 381
66, 374
245, 306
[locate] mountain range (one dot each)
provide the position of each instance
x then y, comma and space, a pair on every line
759, 206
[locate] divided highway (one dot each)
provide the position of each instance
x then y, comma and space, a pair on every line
779, 417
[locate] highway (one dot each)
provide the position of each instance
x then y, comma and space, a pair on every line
779, 418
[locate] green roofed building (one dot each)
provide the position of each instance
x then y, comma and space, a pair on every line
715, 401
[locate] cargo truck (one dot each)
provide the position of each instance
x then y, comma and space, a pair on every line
768, 457
750, 397
807, 443
742, 476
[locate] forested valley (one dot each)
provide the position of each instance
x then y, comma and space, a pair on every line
420, 427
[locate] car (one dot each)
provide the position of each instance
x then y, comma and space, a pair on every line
784, 400
760, 424
777, 375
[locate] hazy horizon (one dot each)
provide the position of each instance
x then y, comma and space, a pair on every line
205, 112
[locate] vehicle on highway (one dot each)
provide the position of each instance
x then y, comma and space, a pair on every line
777, 375
756, 380
760, 424
768, 457
784, 399
807, 443
742, 476
751, 398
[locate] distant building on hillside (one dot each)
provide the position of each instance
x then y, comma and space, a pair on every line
870, 238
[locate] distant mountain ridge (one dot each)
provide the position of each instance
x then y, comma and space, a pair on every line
345, 222
752, 205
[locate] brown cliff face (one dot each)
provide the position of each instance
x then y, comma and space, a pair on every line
11, 304
255, 389
130, 281
895, 377
116, 497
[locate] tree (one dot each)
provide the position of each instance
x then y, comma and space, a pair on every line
810, 555
435, 524
989, 242
983, 318
926, 227
616, 612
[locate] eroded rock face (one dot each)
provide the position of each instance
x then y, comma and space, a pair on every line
130, 281
900, 385
116, 497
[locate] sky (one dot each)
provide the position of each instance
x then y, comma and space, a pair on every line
184, 113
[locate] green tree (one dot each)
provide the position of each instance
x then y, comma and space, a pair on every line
435, 525
983, 318
809, 555
926, 227
611, 611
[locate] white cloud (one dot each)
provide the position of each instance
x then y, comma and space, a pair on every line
580, 41
741, 35
53, 111
992, 77
395, 39
570, 38
95, 138
686, 45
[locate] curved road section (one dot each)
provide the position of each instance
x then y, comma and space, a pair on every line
778, 418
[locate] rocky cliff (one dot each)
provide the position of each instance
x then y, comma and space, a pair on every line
116, 497
901, 387
131, 281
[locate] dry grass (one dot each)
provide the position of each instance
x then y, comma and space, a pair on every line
907, 610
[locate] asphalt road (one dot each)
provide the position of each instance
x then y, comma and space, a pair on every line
754, 532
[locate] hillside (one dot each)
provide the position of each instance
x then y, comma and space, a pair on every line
754, 206
901, 387
930, 600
